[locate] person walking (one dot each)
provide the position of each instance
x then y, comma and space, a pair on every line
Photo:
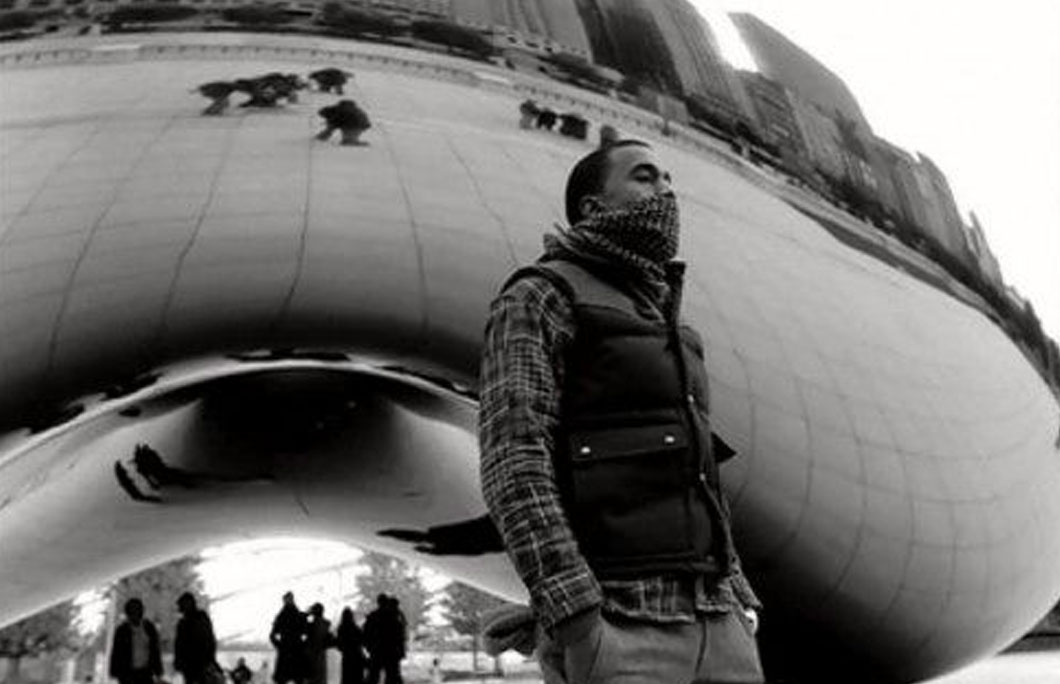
599, 465
318, 640
135, 656
350, 642
194, 647
288, 637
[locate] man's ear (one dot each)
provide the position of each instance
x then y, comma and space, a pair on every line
589, 205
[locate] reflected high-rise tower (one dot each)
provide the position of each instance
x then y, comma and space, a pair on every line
666, 45
786, 63
554, 20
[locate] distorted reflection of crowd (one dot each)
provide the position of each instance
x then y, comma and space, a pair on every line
571, 124
271, 90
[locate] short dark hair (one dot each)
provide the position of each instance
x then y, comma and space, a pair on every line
587, 176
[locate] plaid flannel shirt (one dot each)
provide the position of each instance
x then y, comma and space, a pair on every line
522, 371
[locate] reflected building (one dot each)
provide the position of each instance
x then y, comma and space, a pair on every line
943, 220
666, 45
540, 25
988, 264
788, 64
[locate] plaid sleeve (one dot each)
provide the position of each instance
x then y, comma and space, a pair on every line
520, 377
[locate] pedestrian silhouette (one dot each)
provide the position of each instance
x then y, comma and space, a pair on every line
318, 640
194, 648
384, 635
288, 637
350, 642
135, 656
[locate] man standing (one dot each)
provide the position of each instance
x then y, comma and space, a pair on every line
288, 636
318, 640
194, 648
384, 637
598, 462
135, 657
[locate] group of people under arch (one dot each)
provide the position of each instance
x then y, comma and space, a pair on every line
368, 652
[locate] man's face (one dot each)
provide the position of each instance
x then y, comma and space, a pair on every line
134, 612
634, 173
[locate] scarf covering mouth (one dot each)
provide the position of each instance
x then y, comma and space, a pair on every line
643, 236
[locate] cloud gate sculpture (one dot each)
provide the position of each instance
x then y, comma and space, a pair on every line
215, 328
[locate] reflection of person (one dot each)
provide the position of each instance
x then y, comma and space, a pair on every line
129, 487
135, 657
219, 93
598, 463
608, 135
330, 79
288, 636
241, 674
194, 647
546, 118
318, 641
350, 641
528, 111
348, 118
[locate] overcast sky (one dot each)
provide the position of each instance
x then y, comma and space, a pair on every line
975, 86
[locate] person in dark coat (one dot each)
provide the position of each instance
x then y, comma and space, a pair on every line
384, 635
288, 637
330, 79
265, 91
241, 674
350, 642
135, 656
195, 648
348, 118
546, 118
528, 112
318, 640
573, 126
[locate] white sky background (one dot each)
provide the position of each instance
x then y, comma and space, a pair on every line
973, 84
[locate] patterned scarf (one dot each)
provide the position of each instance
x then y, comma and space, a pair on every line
642, 236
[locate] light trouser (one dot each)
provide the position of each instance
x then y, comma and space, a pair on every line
719, 648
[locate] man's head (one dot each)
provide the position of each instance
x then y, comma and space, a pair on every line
381, 600
317, 610
134, 610
288, 598
612, 177
186, 603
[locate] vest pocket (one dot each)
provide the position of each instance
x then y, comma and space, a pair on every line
630, 492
